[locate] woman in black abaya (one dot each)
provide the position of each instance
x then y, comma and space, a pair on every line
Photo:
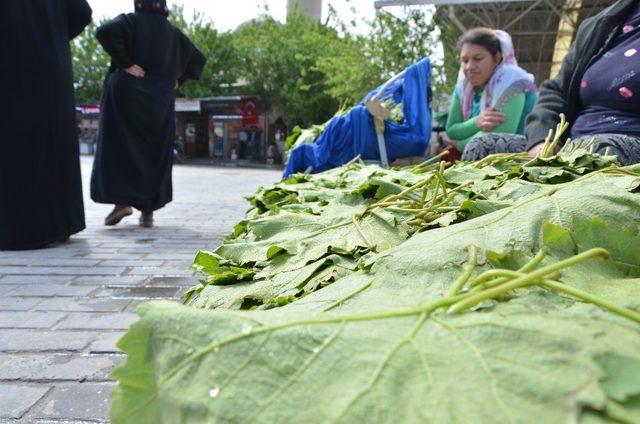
149, 59
40, 184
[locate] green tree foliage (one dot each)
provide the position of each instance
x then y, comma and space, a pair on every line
280, 63
302, 68
220, 72
90, 64
307, 69
394, 43
447, 71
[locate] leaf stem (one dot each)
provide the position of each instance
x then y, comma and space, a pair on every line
366, 240
350, 296
429, 161
403, 193
528, 267
588, 297
527, 279
466, 273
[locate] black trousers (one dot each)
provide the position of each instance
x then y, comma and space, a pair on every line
625, 147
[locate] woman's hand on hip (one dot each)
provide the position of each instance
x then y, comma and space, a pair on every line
489, 119
135, 70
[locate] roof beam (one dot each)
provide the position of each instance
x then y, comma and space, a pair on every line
522, 15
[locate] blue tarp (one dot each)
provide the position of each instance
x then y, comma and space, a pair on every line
353, 134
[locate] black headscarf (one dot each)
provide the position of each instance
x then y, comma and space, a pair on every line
152, 6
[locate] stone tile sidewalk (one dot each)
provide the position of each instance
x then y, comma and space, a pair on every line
63, 309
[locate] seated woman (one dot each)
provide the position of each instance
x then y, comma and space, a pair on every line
492, 91
598, 89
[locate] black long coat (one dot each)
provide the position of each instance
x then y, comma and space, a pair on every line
562, 93
40, 183
137, 128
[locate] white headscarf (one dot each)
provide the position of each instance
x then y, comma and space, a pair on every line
508, 80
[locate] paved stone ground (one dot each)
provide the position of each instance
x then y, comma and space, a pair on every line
63, 309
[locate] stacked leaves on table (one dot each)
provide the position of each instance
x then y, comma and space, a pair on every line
506, 290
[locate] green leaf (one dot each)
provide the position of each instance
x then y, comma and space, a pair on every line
622, 374
558, 239
206, 262
273, 251
364, 345
136, 379
508, 365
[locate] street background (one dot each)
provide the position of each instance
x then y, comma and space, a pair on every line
63, 309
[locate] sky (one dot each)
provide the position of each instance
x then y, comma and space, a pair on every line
228, 14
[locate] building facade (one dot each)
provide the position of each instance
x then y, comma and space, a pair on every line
224, 128
311, 8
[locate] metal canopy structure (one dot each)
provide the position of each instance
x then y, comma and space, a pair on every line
542, 30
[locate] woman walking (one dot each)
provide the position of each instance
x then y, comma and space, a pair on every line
149, 59
40, 184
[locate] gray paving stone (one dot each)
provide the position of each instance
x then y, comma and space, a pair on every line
86, 401
127, 280
4, 358
35, 279
132, 263
62, 367
98, 321
18, 303
131, 244
16, 400
44, 341
29, 319
126, 262
147, 249
96, 251
113, 255
162, 271
7, 288
51, 290
184, 263
40, 270
172, 256
143, 293
171, 282
106, 343
47, 262
35, 254
82, 305
134, 305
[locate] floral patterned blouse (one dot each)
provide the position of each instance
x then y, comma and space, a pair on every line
610, 88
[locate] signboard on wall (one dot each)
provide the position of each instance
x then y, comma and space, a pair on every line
184, 105
90, 110
229, 108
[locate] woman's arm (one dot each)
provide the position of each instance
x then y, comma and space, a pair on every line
195, 61
113, 37
457, 128
512, 111
78, 16
552, 100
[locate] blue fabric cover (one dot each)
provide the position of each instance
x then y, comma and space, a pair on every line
354, 133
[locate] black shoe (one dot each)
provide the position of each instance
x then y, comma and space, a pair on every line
146, 219
116, 215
